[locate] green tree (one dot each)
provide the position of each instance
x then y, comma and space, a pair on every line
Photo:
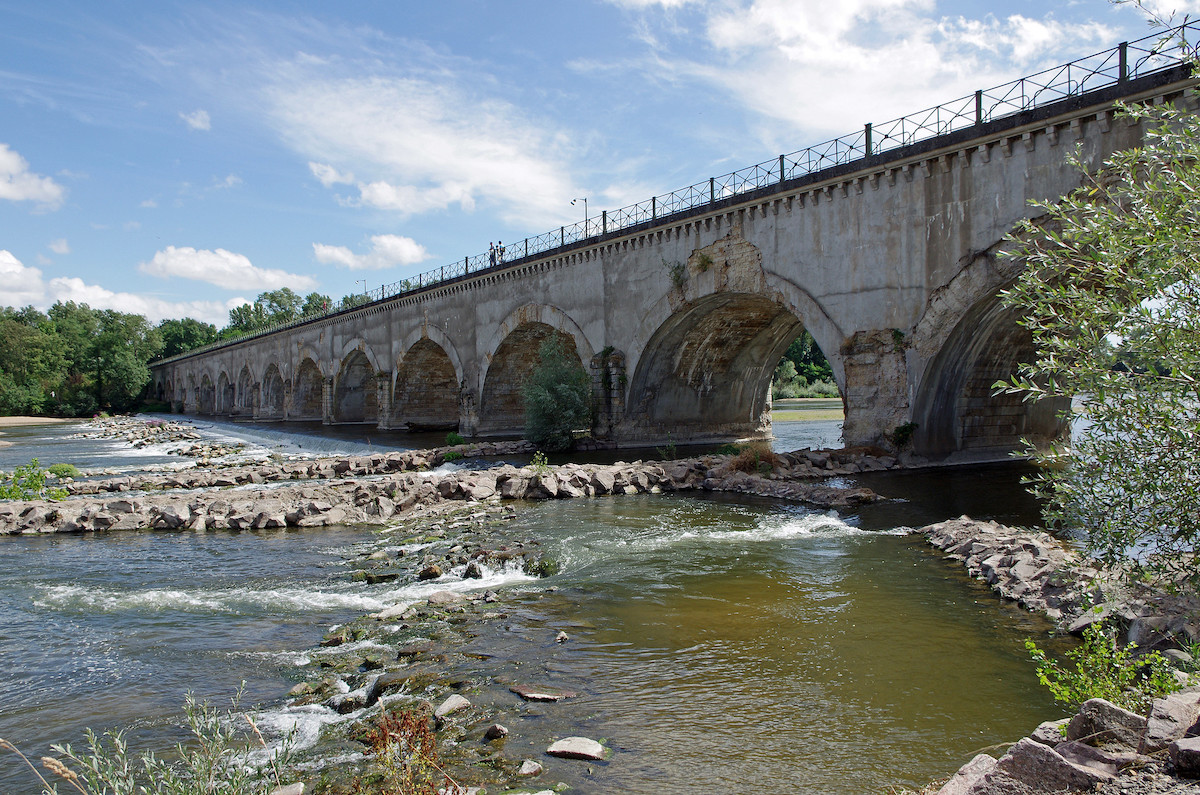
187, 334
31, 362
557, 397
1117, 261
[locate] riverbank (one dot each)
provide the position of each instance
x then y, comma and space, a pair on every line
17, 421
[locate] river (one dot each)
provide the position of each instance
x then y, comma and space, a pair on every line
718, 644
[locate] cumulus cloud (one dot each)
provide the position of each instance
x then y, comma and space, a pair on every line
197, 120
223, 269
60, 246
18, 183
386, 251
420, 143
24, 286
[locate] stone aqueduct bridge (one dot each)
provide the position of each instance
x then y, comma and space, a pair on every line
891, 262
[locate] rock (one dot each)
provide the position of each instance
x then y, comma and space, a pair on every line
1169, 720
473, 571
561, 637
1185, 755
1051, 733
430, 572
395, 611
577, 748
495, 732
968, 775
1100, 721
1097, 758
530, 768
445, 598
531, 693
289, 789
454, 703
1043, 769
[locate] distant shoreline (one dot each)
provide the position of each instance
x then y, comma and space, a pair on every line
12, 422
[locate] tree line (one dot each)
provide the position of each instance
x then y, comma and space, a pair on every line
73, 360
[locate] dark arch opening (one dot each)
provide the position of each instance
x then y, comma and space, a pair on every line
224, 396
502, 407
956, 413
245, 391
307, 392
706, 373
426, 393
272, 394
206, 396
355, 398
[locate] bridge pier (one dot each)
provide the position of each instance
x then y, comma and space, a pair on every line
327, 401
383, 398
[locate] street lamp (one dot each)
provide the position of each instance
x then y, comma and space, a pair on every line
585, 212
363, 282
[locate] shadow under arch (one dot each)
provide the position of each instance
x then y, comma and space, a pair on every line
955, 411
705, 373
426, 391
502, 404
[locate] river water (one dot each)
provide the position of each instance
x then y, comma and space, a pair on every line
718, 645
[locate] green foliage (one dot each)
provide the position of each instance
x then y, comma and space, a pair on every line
729, 448
539, 463
667, 452
452, 455
557, 397
901, 435
678, 272
803, 371
28, 482
541, 567
1102, 668
1116, 262
63, 470
703, 262
453, 439
216, 760
181, 336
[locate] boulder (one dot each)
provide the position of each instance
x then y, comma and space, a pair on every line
454, 703
532, 693
495, 732
577, 748
1036, 765
968, 775
1101, 721
530, 768
1185, 755
1051, 733
1169, 720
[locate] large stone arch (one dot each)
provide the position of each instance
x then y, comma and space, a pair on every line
272, 394
355, 389
544, 314
307, 391
502, 404
427, 388
206, 395
224, 394
706, 371
247, 392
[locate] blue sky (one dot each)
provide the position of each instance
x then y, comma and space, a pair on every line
176, 159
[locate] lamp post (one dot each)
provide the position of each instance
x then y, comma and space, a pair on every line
585, 213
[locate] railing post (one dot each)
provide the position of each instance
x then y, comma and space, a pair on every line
867, 148
527, 247
979, 107
604, 222
1123, 69
712, 190
562, 236
653, 207
466, 265
781, 167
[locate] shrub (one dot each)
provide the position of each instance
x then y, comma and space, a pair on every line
557, 398
405, 748
452, 455
63, 470
540, 463
28, 482
755, 457
1105, 669
453, 439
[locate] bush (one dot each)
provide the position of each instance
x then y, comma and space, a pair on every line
755, 458
404, 747
452, 455
453, 439
28, 482
1105, 669
557, 398
63, 470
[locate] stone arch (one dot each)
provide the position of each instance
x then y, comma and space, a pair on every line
427, 388
224, 394
272, 395
206, 395
502, 405
247, 392
355, 390
706, 371
307, 391
544, 314
956, 414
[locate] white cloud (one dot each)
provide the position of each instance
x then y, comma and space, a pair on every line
18, 183
222, 268
60, 246
386, 251
231, 181
197, 120
329, 176
149, 204
419, 144
22, 285
70, 288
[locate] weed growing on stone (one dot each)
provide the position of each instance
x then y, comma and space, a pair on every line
1105, 669
452, 455
405, 749
667, 452
755, 458
540, 464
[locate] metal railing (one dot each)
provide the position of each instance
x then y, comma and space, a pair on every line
1117, 65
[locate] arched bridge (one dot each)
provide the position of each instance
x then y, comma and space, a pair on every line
682, 306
